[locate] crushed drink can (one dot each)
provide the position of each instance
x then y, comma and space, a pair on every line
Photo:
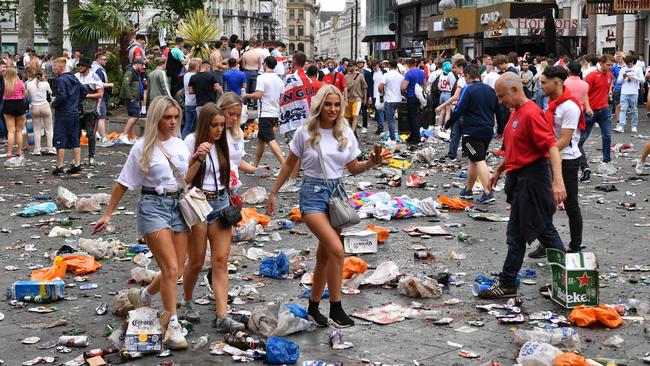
74, 341
515, 301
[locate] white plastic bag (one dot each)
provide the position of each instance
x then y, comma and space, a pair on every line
563, 336
98, 248
89, 204
385, 273
427, 206
419, 286
142, 275
254, 196
535, 353
65, 197
276, 320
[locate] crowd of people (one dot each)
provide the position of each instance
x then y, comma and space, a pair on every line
539, 112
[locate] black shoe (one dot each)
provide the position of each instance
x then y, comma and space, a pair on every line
74, 170
58, 171
497, 291
538, 253
586, 175
338, 316
315, 315
450, 157
379, 132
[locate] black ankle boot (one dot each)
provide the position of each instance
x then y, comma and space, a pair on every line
338, 316
315, 314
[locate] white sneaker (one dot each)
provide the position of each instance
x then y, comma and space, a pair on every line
607, 168
92, 161
364, 130
106, 143
639, 167
124, 139
97, 136
618, 129
634, 129
289, 186
174, 338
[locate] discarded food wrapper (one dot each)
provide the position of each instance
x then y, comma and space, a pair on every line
336, 341
536, 353
488, 216
468, 354
419, 286
384, 273
364, 241
414, 181
386, 314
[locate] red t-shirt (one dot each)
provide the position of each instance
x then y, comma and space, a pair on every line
599, 86
317, 84
527, 136
340, 80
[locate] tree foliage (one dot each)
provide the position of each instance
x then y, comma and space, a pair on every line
180, 7
199, 29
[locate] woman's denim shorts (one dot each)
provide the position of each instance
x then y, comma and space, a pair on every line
315, 194
217, 205
159, 212
444, 96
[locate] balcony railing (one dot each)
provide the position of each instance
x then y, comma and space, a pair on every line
631, 6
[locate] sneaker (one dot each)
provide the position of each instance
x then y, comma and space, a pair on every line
289, 187
618, 129
137, 300
497, 291
606, 168
379, 132
174, 338
634, 129
450, 157
466, 194
538, 253
92, 162
51, 152
187, 312
106, 143
585, 176
364, 130
486, 198
124, 139
58, 171
74, 170
638, 169
37, 153
227, 325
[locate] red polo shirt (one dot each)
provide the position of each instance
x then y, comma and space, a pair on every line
599, 87
527, 136
340, 80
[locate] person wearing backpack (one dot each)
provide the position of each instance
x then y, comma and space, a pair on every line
565, 114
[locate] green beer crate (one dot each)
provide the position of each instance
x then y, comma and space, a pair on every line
575, 278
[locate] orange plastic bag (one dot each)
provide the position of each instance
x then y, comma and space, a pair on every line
455, 203
382, 232
251, 213
584, 316
570, 359
294, 215
57, 270
352, 265
82, 264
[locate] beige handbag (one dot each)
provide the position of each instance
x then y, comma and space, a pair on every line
192, 202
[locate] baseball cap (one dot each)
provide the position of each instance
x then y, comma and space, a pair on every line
84, 61
138, 61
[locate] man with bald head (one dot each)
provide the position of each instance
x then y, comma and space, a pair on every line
534, 184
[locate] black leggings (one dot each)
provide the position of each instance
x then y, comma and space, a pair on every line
570, 175
88, 122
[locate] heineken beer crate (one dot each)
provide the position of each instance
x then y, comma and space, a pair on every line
575, 278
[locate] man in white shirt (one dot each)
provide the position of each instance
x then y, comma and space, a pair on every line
281, 59
490, 77
400, 66
593, 62
263, 52
90, 105
631, 78
268, 90
390, 90
236, 51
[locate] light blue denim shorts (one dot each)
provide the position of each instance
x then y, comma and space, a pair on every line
217, 205
315, 194
159, 212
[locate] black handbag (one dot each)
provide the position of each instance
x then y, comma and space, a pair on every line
230, 215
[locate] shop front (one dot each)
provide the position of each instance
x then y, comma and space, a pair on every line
454, 31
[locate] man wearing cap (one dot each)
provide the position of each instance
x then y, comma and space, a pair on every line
131, 94
90, 105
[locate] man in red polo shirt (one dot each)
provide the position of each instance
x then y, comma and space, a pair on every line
600, 84
531, 190
335, 78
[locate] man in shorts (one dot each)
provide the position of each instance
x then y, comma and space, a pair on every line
478, 106
69, 94
268, 89
357, 95
132, 93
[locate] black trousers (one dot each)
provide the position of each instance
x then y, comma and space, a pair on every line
570, 175
88, 122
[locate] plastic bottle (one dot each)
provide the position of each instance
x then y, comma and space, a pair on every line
243, 341
202, 342
564, 336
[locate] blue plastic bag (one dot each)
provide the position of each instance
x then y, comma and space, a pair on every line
281, 351
307, 293
277, 267
38, 209
297, 310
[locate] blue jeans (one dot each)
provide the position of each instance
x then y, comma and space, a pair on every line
456, 133
389, 110
628, 101
379, 116
604, 119
412, 104
251, 80
190, 120
541, 99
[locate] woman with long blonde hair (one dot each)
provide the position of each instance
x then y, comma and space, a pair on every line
328, 131
150, 165
13, 112
38, 90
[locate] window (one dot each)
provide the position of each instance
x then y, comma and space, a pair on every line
292, 48
301, 47
301, 31
292, 14
301, 14
292, 31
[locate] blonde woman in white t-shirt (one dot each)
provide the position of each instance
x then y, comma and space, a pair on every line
159, 217
328, 130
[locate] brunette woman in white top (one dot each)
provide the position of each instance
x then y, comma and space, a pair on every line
38, 90
327, 129
159, 217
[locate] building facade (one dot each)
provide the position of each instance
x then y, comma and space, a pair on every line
249, 18
380, 18
301, 26
340, 36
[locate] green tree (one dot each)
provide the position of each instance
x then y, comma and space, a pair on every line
180, 7
199, 29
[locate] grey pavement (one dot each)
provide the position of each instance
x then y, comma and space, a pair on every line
609, 231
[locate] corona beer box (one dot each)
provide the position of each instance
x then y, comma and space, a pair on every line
356, 242
575, 278
144, 332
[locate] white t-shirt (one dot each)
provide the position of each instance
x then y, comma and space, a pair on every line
234, 53
376, 79
281, 67
37, 91
208, 178
491, 78
588, 71
567, 115
190, 99
264, 53
92, 80
237, 152
401, 68
446, 82
461, 82
392, 81
160, 176
334, 158
270, 84
631, 84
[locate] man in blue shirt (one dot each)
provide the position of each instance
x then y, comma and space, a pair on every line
412, 77
234, 79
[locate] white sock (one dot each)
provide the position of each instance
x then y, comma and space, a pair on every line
145, 296
173, 319
143, 109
